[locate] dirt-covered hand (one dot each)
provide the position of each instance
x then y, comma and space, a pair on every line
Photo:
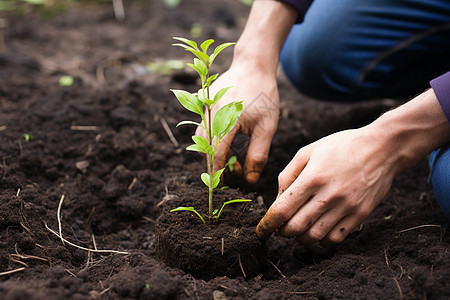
330, 187
258, 120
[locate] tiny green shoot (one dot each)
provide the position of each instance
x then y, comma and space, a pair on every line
27, 137
202, 103
66, 80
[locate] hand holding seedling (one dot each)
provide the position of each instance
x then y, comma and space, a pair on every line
216, 126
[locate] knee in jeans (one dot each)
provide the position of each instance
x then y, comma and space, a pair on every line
440, 177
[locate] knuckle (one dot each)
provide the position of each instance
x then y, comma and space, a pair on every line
336, 237
316, 234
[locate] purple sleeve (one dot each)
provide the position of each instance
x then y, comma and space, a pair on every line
441, 87
301, 6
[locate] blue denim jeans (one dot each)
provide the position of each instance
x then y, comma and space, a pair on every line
354, 50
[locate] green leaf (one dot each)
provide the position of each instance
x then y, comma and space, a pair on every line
205, 45
201, 66
211, 78
191, 123
196, 148
220, 93
203, 143
192, 44
205, 178
216, 178
226, 118
189, 101
181, 208
66, 80
219, 49
230, 202
202, 56
231, 162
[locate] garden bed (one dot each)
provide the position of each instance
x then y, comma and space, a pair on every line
108, 147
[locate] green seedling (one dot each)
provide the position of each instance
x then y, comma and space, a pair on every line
66, 80
27, 137
202, 104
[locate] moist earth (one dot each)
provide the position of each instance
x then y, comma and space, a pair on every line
104, 152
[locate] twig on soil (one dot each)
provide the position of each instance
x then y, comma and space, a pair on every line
276, 268
58, 216
72, 244
168, 131
12, 271
133, 182
2, 128
119, 11
21, 256
18, 192
223, 245
400, 292
387, 260
420, 226
19, 262
80, 247
84, 128
240, 265
71, 273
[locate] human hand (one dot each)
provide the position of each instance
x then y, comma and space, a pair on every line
331, 186
258, 120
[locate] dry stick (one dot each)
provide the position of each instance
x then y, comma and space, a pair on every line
18, 192
168, 131
386, 258
240, 265
417, 227
276, 268
58, 216
119, 11
80, 247
84, 128
399, 288
12, 271
68, 271
72, 244
223, 245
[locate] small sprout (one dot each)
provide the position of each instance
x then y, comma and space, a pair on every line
387, 217
27, 137
147, 286
66, 81
189, 209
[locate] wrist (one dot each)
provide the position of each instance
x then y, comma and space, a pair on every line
264, 34
413, 130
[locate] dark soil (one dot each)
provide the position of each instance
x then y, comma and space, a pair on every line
101, 143
226, 247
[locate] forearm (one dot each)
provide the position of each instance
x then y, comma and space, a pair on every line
413, 130
264, 34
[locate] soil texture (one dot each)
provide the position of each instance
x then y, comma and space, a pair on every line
93, 160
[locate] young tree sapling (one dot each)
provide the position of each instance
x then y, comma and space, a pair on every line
202, 103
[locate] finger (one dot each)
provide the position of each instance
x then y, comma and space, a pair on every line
306, 218
342, 229
294, 168
320, 228
283, 208
257, 152
222, 154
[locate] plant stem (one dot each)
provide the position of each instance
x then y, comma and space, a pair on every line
211, 158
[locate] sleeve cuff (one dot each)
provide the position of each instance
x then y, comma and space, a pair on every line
441, 87
301, 6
